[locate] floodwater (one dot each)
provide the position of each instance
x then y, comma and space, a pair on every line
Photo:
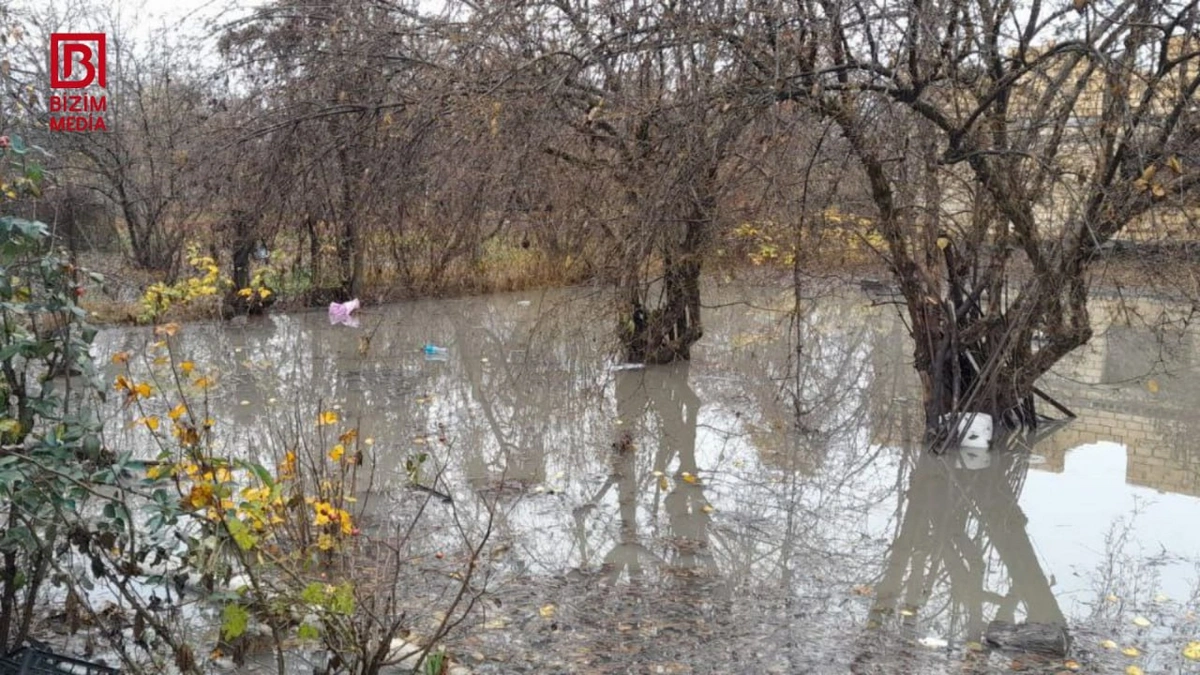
763, 509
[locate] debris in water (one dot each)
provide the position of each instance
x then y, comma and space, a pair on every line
1192, 651
932, 642
1131, 652
343, 313
547, 611
523, 303
1141, 622
628, 366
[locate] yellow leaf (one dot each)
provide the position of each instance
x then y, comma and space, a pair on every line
707, 508
160, 361
1175, 164
245, 292
1158, 190
943, 242
204, 382
120, 357
326, 418
1192, 651
154, 472
1148, 174
1134, 670
187, 367
689, 478
177, 412
1152, 386
143, 390
336, 453
546, 611
168, 329
1131, 652
1112, 598
1108, 644
1141, 621
1071, 664
151, 423
264, 293
663, 483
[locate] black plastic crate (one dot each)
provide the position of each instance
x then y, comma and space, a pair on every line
37, 659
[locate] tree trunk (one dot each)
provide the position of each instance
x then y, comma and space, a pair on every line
667, 333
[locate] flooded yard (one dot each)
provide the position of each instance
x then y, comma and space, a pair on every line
766, 508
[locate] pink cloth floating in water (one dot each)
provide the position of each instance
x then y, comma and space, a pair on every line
343, 313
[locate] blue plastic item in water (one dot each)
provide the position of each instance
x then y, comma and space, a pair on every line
433, 350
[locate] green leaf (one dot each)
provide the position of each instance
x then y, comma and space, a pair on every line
234, 619
343, 599
240, 533
313, 594
308, 632
260, 472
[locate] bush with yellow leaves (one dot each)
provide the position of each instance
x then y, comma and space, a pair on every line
832, 236
284, 529
204, 285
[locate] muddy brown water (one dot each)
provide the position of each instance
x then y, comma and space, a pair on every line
763, 509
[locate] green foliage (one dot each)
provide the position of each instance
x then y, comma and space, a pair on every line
51, 463
234, 619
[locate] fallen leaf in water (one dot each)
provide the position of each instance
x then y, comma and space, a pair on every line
546, 611
1161, 597
369, 441
1192, 651
1108, 644
244, 402
1134, 670
1112, 598
495, 624
1071, 664
1141, 621
1152, 385
861, 589
932, 642
907, 612
1131, 652
707, 508
663, 483
689, 478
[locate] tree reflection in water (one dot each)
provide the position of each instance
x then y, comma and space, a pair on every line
961, 540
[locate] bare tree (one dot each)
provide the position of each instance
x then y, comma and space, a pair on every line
998, 138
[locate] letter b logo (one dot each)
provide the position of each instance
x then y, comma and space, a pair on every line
72, 52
